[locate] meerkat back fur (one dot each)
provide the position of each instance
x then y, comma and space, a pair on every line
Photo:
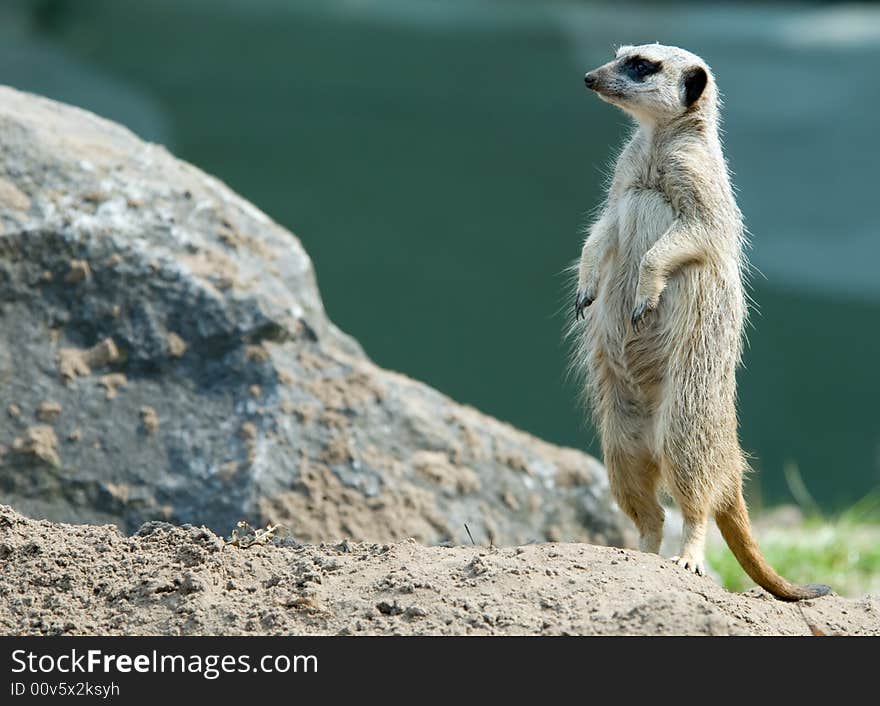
660, 291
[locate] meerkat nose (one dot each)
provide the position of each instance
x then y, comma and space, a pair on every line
590, 80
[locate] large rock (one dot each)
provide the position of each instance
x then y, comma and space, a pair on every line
165, 354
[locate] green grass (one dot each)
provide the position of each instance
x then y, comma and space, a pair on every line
842, 551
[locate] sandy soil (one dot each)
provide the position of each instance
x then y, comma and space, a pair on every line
82, 579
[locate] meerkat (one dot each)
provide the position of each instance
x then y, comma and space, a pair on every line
661, 297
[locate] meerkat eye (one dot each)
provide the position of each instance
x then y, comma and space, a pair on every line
639, 68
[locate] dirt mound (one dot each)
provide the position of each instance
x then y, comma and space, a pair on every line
81, 579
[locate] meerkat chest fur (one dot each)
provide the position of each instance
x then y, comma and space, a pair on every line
658, 181
640, 208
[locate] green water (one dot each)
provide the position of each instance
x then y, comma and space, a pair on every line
437, 159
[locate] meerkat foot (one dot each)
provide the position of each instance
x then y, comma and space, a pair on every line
694, 565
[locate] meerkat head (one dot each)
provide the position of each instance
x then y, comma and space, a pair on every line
655, 83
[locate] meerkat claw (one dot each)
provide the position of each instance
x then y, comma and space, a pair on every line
692, 565
639, 316
581, 302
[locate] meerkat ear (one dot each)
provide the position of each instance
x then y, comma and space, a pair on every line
694, 83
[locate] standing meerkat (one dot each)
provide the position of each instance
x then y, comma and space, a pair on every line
660, 289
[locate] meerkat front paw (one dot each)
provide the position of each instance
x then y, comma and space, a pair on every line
642, 313
585, 296
694, 565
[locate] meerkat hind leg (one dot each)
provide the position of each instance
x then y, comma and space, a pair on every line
689, 482
633, 479
693, 543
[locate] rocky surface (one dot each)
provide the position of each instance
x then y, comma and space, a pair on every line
62, 579
165, 355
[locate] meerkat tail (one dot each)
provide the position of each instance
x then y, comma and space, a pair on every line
733, 521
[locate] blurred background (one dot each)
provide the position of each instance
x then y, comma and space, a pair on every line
438, 159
